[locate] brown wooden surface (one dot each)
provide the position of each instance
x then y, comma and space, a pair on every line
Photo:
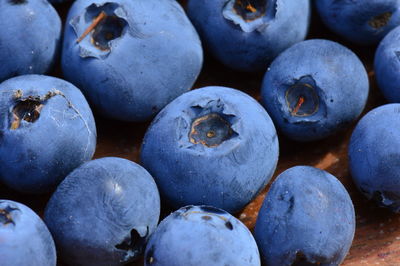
377, 238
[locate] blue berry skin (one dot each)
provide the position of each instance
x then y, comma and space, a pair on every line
154, 54
46, 130
103, 213
387, 66
315, 88
25, 239
249, 41
214, 146
361, 22
30, 33
201, 235
307, 218
374, 153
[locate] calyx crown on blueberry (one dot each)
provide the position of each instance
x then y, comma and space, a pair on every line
135, 243
207, 213
210, 130
108, 23
302, 98
250, 9
28, 108
380, 21
211, 126
251, 15
6, 216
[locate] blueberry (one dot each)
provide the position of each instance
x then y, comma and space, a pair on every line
374, 153
387, 66
215, 146
46, 130
103, 213
24, 238
307, 218
30, 32
315, 88
361, 22
137, 56
200, 235
248, 34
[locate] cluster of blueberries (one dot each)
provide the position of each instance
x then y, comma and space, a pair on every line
208, 152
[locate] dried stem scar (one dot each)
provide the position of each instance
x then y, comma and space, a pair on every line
95, 22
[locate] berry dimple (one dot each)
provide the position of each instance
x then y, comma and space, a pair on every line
6, 216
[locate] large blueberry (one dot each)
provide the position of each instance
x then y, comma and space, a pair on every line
103, 213
315, 88
46, 130
362, 22
24, 238
137, 56
374, 154
387, 66
215, 146
30, 32
201, 235
307, 218
248, 34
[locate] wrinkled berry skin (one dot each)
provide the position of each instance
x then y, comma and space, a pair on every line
30, 33
156, 57
201, 235
25, 239
374, 153
103, 213
315, 88
56, 132
361, 22
387, 66
224, 161
307, 218
249, 45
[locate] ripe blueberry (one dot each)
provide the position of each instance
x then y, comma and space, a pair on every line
374, 153
248, 34
214, 146
30, 33
307, 218
130, 58
362, 22
25, 239
103, 213
201, 235
315, 88
46, 130
387, 66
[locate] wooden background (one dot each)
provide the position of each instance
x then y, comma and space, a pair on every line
377, 238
